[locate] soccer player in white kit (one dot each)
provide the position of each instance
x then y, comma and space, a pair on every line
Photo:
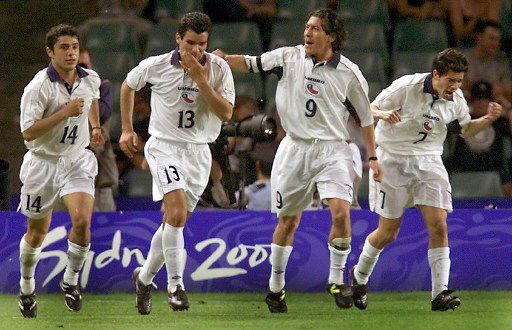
192, 92
415, 113
55, 109
318, 90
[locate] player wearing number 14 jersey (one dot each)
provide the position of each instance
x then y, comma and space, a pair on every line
56, 107
415, 113
192, 92
318, 90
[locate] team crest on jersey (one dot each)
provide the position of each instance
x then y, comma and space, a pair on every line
311, 88
428, 125
187, 97
188, 94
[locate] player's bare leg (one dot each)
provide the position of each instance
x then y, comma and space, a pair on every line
386, 232
439, 258
281, 249
30, 251
339, 247
80, 206
175, 217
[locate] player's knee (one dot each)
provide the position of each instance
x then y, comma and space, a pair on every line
341, 215
81, 224
35, 237
176, 216
289, 224
438, 229
389, 235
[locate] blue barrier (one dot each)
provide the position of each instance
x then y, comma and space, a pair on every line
146, 203
229, 250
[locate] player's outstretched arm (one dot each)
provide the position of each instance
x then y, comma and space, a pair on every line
476, 125
128, 139
236, 62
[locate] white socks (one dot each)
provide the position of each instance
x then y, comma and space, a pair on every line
155, 258
338, 259
279, 256
366, 263
76, 258
29, 258
173, 245
439, 261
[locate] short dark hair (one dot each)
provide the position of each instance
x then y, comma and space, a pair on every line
481, 25
332, 23
58, 31
195, 21
450, 59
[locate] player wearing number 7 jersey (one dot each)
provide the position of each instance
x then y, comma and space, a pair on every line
192, 92
415, 113
55, 109
318, 90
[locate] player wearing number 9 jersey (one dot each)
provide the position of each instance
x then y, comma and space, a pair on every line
56, 107
415, 113
192, 92
318, 90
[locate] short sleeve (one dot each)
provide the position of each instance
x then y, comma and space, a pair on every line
33, 104
227, 85
462, 111
390, 99
357, 94
137, 77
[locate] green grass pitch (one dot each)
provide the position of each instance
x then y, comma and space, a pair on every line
391, 310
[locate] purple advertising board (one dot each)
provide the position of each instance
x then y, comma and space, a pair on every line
228, 251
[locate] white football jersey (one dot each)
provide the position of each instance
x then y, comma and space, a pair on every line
315, 99
178, 112
46, 94
424, 116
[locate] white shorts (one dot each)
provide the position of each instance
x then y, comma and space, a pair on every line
178, 165
302, 166
45, 179
408, 181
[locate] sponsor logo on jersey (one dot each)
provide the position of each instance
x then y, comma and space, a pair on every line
431, 117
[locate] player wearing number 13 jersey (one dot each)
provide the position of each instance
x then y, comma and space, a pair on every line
192, 92
318, 90
415, 113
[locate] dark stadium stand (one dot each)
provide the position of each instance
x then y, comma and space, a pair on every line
236, 38
374, 11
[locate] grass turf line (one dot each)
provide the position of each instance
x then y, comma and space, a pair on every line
389, 310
